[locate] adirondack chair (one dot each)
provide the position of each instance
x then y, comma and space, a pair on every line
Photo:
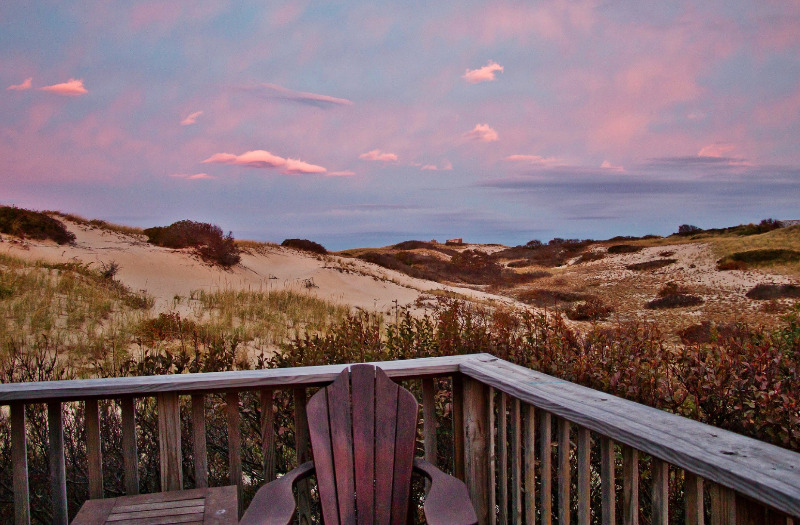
363, 430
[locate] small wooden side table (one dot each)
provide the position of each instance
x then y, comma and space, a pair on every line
211, 506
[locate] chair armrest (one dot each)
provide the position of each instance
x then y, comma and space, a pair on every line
274, 503
447, 501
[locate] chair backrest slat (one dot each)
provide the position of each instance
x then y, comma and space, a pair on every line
362, 378
385, 432
319, 431
340, 414
407, 411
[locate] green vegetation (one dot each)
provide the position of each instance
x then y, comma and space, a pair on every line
765, 292
305, 245
650, 265
207, 240
624, 248
33, 225
761, 257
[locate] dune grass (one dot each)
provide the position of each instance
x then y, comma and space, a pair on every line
97, 223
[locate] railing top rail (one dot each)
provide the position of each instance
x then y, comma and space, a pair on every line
765, 472
71, 390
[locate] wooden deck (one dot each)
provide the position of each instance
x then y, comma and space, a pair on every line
529, 446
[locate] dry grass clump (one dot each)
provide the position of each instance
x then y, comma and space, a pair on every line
650, 265
766, 292
548, 298
708, 332
591, 309
97, 223
33, 225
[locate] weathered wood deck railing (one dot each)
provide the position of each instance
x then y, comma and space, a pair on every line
503, 417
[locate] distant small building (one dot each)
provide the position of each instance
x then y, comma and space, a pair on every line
456, 242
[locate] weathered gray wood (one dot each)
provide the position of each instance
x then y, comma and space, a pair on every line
584, 476
502, 441
58, 476
303, 449
563, 428
529, 441
546, 462
429, 424
492, 459
756, 469
516, 464
660, 498
199, 440
130, 454
693, 488
458, 426
72, 390
723, 505
94, 453
267, 434
607, 481
169, 441
19, 463
476, 446
630, 485
234, 444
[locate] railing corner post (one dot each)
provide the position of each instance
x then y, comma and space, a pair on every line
476, 445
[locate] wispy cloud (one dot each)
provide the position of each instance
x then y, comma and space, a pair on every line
482, 132
537, 160
343, 173
378, 155
195, 176
606, 165
274, 91
191, 119
483, 74
265, 160
718, 149
21, 87
71, 88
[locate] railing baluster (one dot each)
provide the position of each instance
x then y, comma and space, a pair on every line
546, 461
130, 454
19, 462
723, 505
476, 443
458, 426
502, 439
660, 472
630, 485
693, 488
94, 453
516, 464
58, 477
607, 479
584, 476
529, 433
492, 460
563, 471
430, 424
169, 441
267, 434
303, 448
234, 444
199, 440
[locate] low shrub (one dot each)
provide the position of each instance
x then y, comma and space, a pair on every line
33, 225
650, 265
708, 332
544, 297
305, 245
765, 292
688, 229
675, 300
591, 309
207, 240
762, 257
624, 248
590, 256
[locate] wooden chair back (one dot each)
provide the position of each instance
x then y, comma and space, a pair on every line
363, 431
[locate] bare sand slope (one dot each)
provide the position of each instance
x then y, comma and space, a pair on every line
166, 274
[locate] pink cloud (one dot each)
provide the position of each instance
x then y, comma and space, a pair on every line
606, 165
379, 155
264, 159
482, 132
21, 87
344, 173
195, 176
191, 119
70, 88
717, 150
483, 74
446, 166
275, 91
